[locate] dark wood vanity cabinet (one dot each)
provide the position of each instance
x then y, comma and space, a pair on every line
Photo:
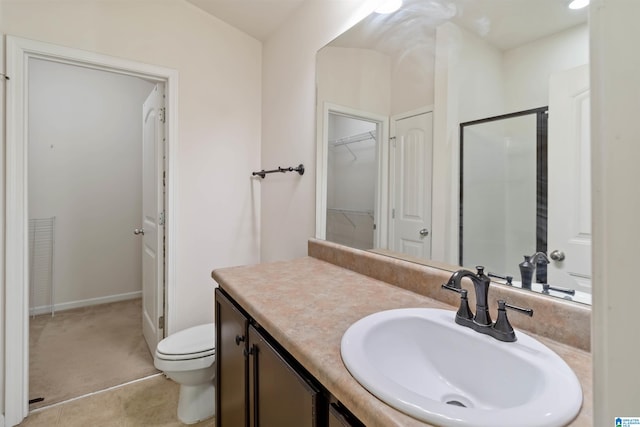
232, 381
258, 384
339, 416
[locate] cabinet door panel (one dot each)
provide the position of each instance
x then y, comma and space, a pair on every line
231, 369
284, 397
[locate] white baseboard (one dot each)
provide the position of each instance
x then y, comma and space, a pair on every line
34, 311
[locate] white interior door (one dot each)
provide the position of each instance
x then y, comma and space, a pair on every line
569, 221
152, 230
412, 152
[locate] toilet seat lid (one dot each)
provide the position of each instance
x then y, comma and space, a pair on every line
194, 340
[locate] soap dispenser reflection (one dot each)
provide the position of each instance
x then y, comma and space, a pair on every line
528, 266
526, 272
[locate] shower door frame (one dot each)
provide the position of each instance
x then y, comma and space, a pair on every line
542, 118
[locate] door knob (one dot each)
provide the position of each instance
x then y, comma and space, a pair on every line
424, 232
139, 231
557, 255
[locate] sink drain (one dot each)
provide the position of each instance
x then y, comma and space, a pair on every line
456, 403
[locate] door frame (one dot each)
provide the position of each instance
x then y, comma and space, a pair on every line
16, 279
382, 179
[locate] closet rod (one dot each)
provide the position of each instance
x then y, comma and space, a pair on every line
263, 173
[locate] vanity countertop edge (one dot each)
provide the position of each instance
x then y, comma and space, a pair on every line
307, 304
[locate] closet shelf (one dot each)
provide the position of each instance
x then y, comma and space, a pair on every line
354, 138
347, 212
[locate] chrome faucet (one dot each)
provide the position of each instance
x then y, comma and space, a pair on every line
481, 321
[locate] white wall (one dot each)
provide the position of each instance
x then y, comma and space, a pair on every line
615, 103
356, 78
412, 80
85, 160
219, 107
527, 68
372, 81
289, 113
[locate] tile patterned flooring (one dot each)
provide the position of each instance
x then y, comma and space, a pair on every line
151, 401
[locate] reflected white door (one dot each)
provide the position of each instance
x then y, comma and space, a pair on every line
569, 222
152, 232
412, 153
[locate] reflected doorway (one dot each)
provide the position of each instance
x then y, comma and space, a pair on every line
352, 159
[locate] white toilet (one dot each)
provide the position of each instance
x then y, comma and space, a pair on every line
188, 357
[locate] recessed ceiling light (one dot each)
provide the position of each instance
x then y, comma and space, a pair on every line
389, 6
578, 4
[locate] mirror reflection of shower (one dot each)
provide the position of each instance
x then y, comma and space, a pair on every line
351, 182
503, 204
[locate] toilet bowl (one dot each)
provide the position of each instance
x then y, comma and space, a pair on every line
188, 358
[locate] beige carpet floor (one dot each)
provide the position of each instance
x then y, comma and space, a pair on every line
152, 402
84, 350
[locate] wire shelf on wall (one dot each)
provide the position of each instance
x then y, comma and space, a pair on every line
345, 141
41, 258
347, 212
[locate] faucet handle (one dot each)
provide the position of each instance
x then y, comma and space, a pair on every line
546, 288
509, 279
527, 311
448, 286
464, 311
502, 329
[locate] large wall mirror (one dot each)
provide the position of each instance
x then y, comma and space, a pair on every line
399, 94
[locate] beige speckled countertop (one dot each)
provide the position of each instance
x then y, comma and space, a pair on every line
307, 304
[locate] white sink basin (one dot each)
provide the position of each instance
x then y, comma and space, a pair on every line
422, 363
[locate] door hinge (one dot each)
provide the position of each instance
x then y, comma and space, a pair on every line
162, 114
161, 219
161, 322
393, 213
